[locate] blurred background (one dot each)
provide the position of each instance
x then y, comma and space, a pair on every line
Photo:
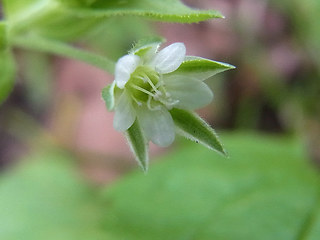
67, 174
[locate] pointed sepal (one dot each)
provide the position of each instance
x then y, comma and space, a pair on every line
201, 68
108, 96
193, 127
147, 47
138, 145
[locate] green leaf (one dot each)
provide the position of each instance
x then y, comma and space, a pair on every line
80, 17
165, 10
45, 198
7, 73
202, 68
77, 2
20, 9
108, 96
46, 18
138, 145
196, 129
50, 25
266, 190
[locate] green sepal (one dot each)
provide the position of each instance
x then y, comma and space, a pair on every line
193, 127
108, 96
202, 68
143, 46
7, 72
138, 145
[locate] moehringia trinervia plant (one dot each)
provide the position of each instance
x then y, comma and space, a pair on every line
154, 94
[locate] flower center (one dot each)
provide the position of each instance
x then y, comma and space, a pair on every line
147, 87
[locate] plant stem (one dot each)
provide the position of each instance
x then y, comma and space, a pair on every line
62, 49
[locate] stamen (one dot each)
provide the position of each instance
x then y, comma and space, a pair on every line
150, 107
141, 78
169, 102
138, 102
150, 82
142, 90
159, 83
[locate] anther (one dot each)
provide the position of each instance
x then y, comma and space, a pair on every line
142, 90
151, 83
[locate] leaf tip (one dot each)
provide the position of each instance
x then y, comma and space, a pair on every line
232, 67
229, 66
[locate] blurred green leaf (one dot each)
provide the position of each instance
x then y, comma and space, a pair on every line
44, 198
7, 72
165, 10
69, 20
266, 190
3, 37
80, 17
45, 17
17, 8
77, 2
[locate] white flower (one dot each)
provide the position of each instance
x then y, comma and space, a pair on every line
154, 95
147, 86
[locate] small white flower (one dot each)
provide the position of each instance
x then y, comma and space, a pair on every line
154, 95
146, 87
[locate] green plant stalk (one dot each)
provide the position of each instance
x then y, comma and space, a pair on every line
62, 49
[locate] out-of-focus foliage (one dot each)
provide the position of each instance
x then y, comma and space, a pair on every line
266, 190
44, 198
304, 16
306, 33
190, 194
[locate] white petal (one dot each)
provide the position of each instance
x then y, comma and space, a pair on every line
124, 113
191, 93
169, 58
124, 67
157, 125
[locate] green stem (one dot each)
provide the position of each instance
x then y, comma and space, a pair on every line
65, 50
